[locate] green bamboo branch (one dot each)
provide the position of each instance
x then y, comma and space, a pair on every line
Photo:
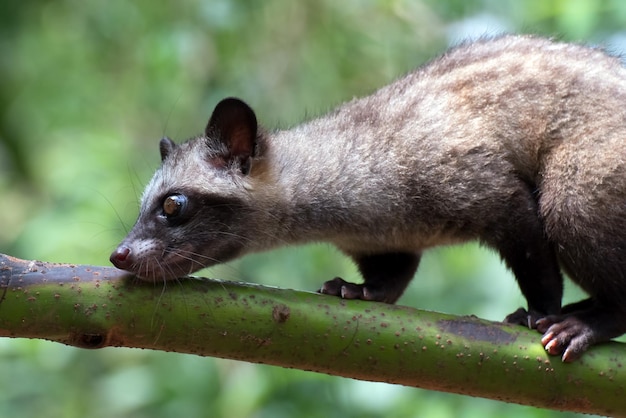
94, 307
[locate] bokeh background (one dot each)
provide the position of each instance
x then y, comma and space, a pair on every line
88, 87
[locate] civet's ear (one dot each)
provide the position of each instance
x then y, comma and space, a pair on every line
234, 123
166, 146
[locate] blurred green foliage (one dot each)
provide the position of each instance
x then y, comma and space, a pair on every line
88, 87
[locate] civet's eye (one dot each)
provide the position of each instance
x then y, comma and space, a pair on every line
174, 204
